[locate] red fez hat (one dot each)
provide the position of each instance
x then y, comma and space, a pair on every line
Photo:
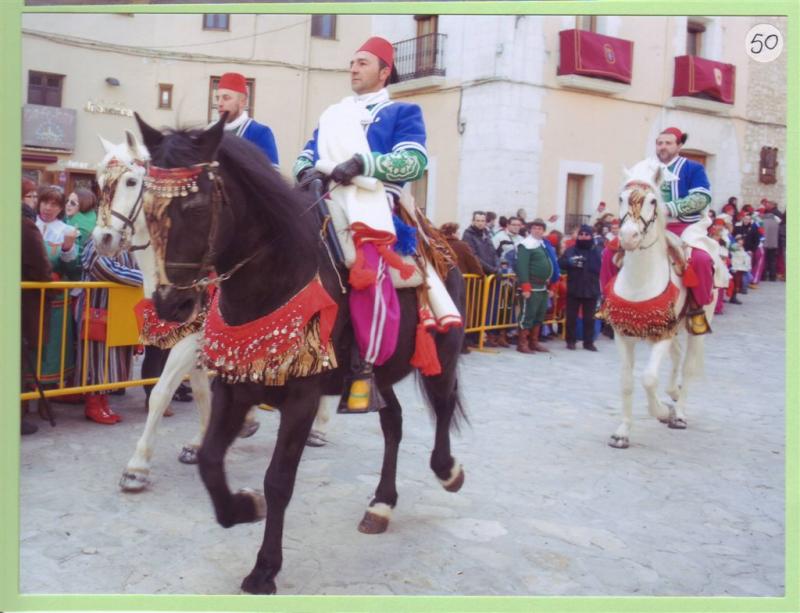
233, 81
679, 136
381, 48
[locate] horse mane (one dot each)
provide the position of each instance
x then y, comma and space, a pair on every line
252, 185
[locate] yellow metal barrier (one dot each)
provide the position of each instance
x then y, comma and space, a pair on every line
493, 303
121, 330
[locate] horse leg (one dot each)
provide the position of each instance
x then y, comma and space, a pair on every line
136, 475
655, 407
625, 345
675, 353
692, 367
441, 392
251, 424
227, 416
297, 414
319, 430
201, 390
379, 512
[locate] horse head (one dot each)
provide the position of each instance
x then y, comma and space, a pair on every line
120, 176
642, 212
182, 206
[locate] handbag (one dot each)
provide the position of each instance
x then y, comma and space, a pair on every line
95, 325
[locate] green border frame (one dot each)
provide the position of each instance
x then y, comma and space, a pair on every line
10, 103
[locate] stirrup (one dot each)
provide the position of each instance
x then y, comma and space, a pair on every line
696, 322
361, 395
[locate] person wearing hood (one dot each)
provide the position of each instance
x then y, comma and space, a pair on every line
537, 268
232, 98
582, 263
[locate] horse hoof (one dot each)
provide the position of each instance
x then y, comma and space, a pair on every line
372, 523
249, 428
254, 584
316, 439
259, 503
134, 481
677, 423
188, 455
456, 480
619, 442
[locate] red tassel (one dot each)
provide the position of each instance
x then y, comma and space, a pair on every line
425, 357
689, 277
360, 276
395, 261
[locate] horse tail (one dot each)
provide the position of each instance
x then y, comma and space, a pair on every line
432, 393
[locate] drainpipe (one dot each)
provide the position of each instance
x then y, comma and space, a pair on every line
304, 92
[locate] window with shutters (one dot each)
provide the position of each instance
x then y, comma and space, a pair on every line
768, 165
44, 88
323, 26
165, 95
216, 21
694, 38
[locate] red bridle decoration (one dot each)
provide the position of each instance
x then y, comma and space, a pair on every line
173, 182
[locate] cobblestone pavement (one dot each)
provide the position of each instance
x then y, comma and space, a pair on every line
548, 508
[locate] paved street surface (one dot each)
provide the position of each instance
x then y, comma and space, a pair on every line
548, 508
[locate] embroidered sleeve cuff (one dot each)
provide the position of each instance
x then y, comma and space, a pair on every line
397, 166
692, 204
525, 287
300, 165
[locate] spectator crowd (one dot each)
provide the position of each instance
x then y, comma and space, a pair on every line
568, 278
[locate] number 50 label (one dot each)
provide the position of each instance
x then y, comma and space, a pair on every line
764, 42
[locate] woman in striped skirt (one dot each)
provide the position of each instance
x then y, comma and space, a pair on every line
119, 269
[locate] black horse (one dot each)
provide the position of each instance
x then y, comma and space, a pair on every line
261, 238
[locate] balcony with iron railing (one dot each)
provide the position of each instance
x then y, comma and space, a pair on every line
420, 61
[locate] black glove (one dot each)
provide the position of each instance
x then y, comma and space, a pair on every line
344, 172
307, 175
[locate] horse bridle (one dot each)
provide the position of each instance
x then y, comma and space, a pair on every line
173, 182
646, 223
106, 208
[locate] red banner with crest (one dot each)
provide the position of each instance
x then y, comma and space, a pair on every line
595, 55
698, 76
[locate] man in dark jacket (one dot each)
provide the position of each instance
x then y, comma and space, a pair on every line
582, 264
479, 239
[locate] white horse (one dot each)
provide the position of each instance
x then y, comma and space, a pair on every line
648, 301
122, 226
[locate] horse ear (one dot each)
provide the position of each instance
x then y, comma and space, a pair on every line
107, 147
209, 140
152, 137
135, 149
